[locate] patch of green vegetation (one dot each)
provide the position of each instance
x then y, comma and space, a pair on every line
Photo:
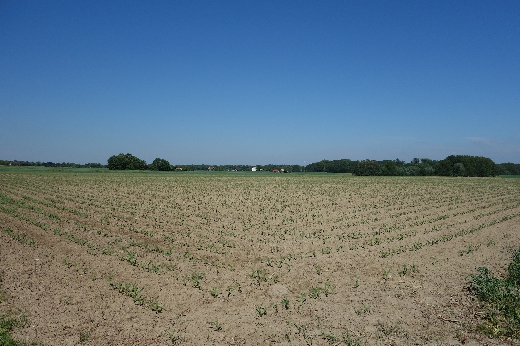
7, 324
315, 292
22, 238
44, 169
216, 325
500, 298
260, 310
131, 290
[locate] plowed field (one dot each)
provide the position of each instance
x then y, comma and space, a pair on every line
250, 259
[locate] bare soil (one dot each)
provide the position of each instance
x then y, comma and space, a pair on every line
245, 259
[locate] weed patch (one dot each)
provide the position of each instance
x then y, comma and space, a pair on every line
500, 298
7, 325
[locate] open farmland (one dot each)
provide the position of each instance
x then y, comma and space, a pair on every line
250, 259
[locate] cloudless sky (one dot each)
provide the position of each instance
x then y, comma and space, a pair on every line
258, 82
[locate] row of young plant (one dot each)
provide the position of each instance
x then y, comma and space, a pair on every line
319, 234
212, 247
183, 232
446, 237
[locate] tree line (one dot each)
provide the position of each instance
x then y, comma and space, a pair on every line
130, 162
454, 165
49, 164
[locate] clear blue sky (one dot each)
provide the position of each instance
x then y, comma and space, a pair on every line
257, 82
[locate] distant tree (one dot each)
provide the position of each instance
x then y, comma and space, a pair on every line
340, 166
334, 166
468, 166
399, 163
389, 167
160, 165
318, 166
269, 167
296, 168
372, 167
508, 168
367, 167
93, 165
126, 161
427, 167
459, 170
412, 170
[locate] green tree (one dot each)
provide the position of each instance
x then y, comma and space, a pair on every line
160, 165
459, 170
389, 167
367, 167
126, 161
508, 168
469, 166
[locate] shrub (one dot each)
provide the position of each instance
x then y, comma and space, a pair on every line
501, 298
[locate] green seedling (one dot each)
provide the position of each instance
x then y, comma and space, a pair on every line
318, 269
330, 337
469, 249
194, 279
404, 271
259, 276
84, 337
216, 325
155, 306
386, 274
261, 311
285, 303
133, 291
366, 309
215, 293
314, 292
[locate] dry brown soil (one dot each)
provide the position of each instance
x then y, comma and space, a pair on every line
250, 259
